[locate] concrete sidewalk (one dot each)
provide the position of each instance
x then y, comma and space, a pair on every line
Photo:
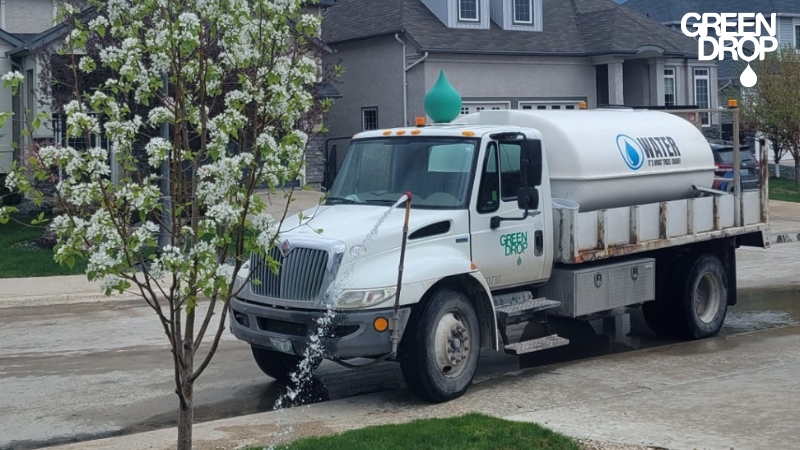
719, 393
16, 292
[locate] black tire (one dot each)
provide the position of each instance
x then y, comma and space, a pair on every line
453, 315
279, 365
704, 298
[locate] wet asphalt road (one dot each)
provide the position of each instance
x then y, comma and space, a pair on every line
70, 373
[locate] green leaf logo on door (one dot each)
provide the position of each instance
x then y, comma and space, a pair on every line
515, 244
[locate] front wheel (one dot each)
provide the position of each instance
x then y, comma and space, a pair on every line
440, 357
281, 366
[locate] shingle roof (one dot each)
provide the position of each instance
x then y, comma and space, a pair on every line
674, 10
26, 37
570, 27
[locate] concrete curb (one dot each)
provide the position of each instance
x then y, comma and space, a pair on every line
74, 298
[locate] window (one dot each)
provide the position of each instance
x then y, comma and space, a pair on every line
510, 177
553, 104
523, 11
468, 10
669, 87
488, 200
797, 37
702, 94
469, 107
438, 171
369, 119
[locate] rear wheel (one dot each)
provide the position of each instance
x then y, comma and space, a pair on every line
695, 301
705, 298
440, 357
281, 366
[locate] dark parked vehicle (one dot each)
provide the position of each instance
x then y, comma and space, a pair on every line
723, 159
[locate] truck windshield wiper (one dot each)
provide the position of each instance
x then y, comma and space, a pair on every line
339, 200
381, 200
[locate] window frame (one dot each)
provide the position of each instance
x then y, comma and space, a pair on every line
670, 76
477, 17
796, 34
500, 171
478, 207
705, 118
514, 20
364, 110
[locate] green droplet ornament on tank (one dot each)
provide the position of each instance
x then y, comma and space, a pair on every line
442, 102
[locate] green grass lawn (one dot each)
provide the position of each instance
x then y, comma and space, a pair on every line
470, 432
783, 189
20, 261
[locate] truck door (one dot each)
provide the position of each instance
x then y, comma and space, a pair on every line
507, 252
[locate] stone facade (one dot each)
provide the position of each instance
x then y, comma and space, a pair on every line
315, 162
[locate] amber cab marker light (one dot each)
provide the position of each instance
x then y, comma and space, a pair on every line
387, 132
468, 133
401, 132
582, 105
381, 324
733, 103
473, 266
416, 132
419, 121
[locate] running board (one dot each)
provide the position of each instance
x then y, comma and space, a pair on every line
535, 345
506, 312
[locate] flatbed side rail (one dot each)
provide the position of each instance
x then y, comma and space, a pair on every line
593, 235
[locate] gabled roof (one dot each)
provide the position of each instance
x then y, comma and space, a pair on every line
674, 10
570, 28
10, 38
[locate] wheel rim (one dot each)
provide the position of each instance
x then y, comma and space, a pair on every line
452, 345
707, 298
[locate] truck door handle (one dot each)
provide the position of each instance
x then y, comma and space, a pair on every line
538, 243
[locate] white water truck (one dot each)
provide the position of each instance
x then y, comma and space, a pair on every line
511, 217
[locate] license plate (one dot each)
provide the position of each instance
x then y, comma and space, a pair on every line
745, 171
282, 345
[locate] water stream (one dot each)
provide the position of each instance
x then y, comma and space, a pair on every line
300, 380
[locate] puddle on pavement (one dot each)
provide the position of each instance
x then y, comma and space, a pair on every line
763, 311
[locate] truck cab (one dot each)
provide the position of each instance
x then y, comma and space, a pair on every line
476, 224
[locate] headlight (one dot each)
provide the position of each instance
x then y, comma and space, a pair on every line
244, 270
365, 298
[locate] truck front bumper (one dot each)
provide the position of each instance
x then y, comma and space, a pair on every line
351, 334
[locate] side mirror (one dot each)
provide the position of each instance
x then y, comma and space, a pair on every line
530, 163
527, 198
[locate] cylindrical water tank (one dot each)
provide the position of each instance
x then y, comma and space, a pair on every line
607, 158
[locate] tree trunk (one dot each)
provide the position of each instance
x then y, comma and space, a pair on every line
186, 418
797, 172
186, 408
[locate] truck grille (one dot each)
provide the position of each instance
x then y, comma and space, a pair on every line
299, 277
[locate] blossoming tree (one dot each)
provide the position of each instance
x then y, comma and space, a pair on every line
231, 82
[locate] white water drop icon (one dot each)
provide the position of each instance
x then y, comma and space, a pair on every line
749, 77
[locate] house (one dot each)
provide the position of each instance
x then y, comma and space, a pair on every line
20, 22
23, 51
671, 12
504, 54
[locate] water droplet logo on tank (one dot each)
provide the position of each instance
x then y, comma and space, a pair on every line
631, 152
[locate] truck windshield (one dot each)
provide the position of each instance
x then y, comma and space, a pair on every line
437, 171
